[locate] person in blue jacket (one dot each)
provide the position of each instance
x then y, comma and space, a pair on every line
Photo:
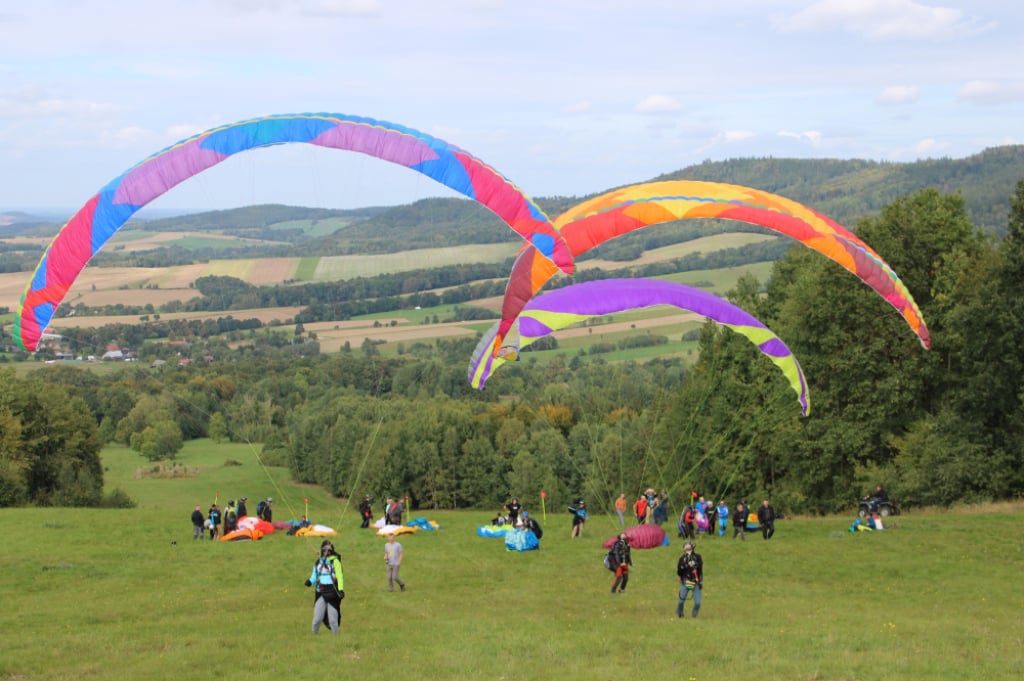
723, 518
329, 581
579, 517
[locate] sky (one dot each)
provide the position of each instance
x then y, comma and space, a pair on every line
563, 97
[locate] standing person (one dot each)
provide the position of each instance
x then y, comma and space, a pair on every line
621, 559
690, 571
214, 516
198, 519
661, 509
242, 510
393, 560
265, 509
394, 516
366, 511
514, 507
739, 522
686, 520
620, 508
640, 509
579, 518
330, 588
723, 517
766, 518
230, 517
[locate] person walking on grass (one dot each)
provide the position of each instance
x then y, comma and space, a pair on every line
330, 588
214, 519
393, 560
620, 509
690, 570
621, 560
766, 518
198, 521
739, 522
579, 518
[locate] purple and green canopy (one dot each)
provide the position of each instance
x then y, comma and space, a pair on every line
562, 307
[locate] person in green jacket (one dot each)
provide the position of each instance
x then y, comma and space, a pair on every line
329, 581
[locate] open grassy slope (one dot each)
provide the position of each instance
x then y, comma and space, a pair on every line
126, 594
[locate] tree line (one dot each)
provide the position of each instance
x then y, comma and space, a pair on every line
935, 427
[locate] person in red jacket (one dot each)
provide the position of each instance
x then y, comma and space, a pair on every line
640, 509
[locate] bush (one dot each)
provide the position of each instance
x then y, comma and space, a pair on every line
117, 498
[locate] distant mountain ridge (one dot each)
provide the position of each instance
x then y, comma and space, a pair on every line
845, 190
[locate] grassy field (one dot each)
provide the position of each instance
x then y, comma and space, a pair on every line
127, 594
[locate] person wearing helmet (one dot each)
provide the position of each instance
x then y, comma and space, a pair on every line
264, 510
690, 571
329, 581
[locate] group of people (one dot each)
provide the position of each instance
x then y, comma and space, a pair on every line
689, 570
328, 578
394, 509
649, 507
219, 522
704, 518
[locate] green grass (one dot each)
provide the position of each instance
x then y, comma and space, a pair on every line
306, 269
100, 594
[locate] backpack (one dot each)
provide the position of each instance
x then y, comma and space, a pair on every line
260, 507
609, 560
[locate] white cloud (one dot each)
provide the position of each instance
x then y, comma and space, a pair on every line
899, 94
32, 102
991, 92
736, 135
929, 146
812, 136
883, 20
657, 104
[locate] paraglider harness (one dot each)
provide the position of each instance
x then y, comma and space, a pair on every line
330, 592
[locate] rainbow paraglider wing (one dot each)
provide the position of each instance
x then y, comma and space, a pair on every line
624, 210
90, 228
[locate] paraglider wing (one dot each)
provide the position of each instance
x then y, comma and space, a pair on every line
90, 228
624, 210
559, 308
640, 537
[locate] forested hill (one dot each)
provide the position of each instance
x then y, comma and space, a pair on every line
849, 190
845, 190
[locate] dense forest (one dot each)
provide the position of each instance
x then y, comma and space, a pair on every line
936, 427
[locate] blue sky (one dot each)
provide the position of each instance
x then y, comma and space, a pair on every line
563, 97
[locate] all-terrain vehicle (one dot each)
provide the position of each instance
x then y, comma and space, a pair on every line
870, 505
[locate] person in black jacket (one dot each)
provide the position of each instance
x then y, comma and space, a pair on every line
766, 518
366, 511
621, 559
690, 571
514, 507
739, 521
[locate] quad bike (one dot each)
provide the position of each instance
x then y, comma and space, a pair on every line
869, 505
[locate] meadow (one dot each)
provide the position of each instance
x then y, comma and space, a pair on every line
127, 594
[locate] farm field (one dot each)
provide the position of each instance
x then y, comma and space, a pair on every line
141, 286
89, 591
